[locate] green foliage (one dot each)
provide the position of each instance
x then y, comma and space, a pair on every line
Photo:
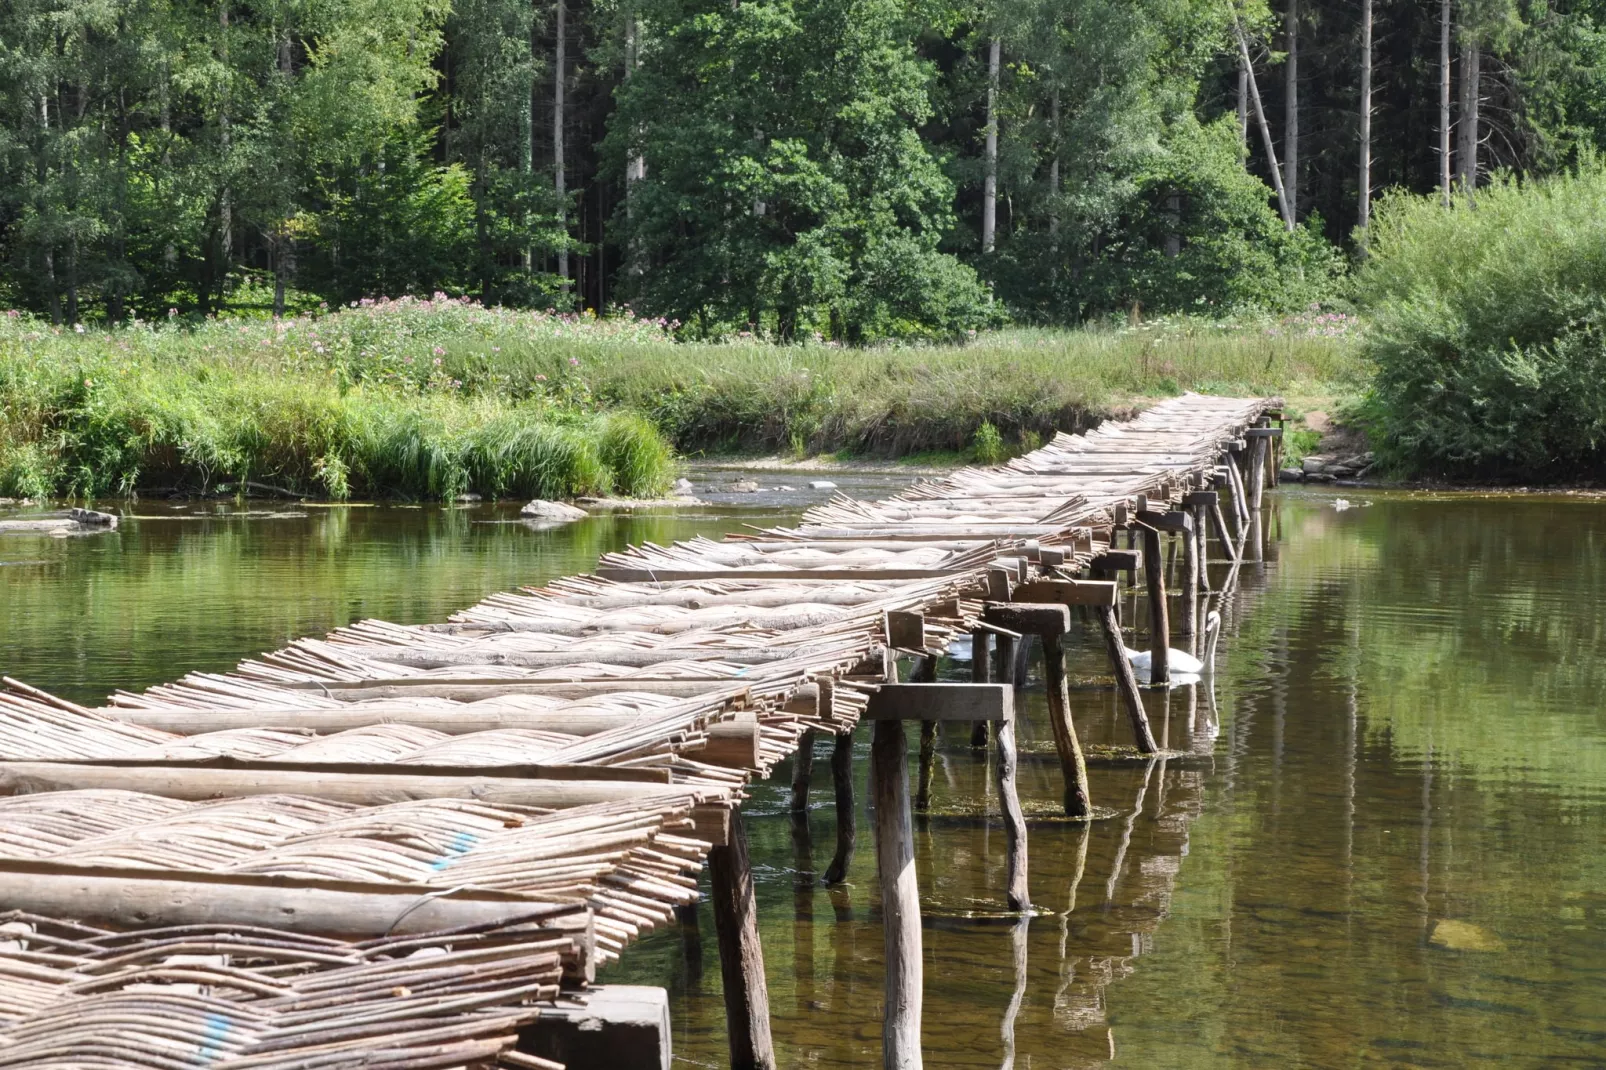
788, 190
987, 447
1489, 329
141, 407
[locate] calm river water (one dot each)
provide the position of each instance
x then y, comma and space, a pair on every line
1382, 845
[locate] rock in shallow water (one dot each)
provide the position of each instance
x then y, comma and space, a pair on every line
744, 486
559, 511
1290, 475
822, 484
1463, 936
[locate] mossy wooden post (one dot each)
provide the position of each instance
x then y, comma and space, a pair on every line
1159, 619
847, 829
925, 672
900, 897
1016, 892
1050, 622
802, 772
741, 956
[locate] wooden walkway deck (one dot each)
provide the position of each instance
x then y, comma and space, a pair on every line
236, 869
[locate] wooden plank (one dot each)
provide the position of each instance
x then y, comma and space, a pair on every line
521, 771
1263, 432
1067, 592
1174, 521
474, 689
1038, 619
941, 702
1116, 561
905, 630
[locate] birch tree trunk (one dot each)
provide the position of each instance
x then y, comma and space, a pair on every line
1444, 103
1291, 114
635, 164
989, 195
1243, 106
225, 239
282, 242
1466, 157
559, 176
1365, 211
1283, 206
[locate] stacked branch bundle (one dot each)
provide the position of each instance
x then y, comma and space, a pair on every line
575, 747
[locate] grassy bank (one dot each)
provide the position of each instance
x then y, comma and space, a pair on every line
437, 398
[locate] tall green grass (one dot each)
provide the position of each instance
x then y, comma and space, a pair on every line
437, 398
1488, 330
87, 426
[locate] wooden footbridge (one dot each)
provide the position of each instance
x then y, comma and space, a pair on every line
397, 846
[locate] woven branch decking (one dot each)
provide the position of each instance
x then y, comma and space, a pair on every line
569, 752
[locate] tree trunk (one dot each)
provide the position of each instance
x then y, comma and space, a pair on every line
1243, 105
635, 164
989, 195
1054, 164
1265, 128
1364, 214
282, 243
1444, 103
1291, 114
559, 176
225, 228
1466, 156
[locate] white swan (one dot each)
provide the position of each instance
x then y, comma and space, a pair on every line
1183, 667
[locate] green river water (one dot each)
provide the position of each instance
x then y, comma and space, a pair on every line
1381, 847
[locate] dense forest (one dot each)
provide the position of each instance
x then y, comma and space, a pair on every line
853, 169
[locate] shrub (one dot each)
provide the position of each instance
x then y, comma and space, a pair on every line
1489, 329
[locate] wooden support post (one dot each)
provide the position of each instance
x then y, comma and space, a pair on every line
1017, 894
802, 771
741, 956
1201, 546
1256, 492
981, 672
1023, 660
1072, 764
900, 898
1190, 583
847, 829
1126, 681
924, 673
1159, 622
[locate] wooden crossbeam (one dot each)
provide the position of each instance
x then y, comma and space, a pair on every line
941, 702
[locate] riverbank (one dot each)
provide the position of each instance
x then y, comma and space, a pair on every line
435, 399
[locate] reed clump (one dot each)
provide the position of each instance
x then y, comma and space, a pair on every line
1488, 330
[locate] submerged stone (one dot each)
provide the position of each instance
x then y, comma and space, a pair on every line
1463, 936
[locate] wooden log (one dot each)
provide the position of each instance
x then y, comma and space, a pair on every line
189, 722
847, 828
130, 897
941, 702
1017, 893
900, 898
631, 657
1201, 546
651, 575
1072, 765
362, 789
476, 690
1126, 681
802, 770
741, 955
1219, 523
1159, 623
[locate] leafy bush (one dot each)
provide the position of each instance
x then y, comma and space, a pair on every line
1489, 329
